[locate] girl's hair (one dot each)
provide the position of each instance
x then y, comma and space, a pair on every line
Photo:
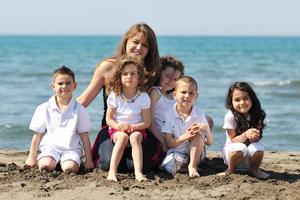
169, 61
257, 114
151, 61
113, 82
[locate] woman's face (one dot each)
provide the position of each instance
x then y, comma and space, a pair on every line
137, 46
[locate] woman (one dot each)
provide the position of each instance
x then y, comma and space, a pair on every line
139, 41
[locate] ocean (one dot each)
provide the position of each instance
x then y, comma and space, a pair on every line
270, 64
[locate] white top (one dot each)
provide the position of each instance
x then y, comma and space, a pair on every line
128, 112
162, 106
61, 129
230, 123
174, 124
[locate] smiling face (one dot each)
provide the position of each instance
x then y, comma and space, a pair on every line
130, 76
241, 102
168, 78
137, 46
64, 85
185, 94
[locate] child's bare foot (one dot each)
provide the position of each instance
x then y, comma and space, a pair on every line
112, 177
260, 174
193, 172
140, 177
225, 173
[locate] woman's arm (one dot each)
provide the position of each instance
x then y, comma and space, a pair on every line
96, 84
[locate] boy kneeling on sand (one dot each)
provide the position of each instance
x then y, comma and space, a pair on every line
61, 126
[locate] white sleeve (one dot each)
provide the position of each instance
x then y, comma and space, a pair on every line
229, 121
83, 123
145, 101
111, 100
38, 121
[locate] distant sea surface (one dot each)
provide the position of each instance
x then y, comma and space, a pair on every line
270, 64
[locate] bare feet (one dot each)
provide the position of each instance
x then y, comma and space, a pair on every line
193, 172
112, 177
140, 177
225, 173
260, 174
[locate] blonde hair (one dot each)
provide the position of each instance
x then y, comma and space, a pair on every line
113, 82
186, 79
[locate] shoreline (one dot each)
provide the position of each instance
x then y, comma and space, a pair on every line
20, 183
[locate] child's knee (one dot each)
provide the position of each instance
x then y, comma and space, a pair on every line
70, 167
136, 137
47, 164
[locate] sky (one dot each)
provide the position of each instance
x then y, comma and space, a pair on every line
166, 17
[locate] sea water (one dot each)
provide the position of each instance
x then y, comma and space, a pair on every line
270, 64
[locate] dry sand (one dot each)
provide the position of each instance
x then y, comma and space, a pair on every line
16, 182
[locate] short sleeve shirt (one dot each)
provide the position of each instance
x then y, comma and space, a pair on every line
176, 125
129, 112
60, 129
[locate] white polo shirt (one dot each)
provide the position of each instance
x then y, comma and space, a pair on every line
176, 125
61, 129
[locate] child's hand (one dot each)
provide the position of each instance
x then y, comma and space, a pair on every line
253, 134
30, 162
197, 128
89, 165
123, 127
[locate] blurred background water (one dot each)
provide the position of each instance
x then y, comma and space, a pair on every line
270, 64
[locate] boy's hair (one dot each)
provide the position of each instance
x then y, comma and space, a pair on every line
113, 82
256, 112
169, 61
151, 61
63, 70
187, 79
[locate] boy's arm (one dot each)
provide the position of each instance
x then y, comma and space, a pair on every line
209, 135
174, 142
87, 150
31, 159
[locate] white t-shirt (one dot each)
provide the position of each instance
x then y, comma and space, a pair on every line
230, 123
162, 106
61, 129
174, 124
128, 112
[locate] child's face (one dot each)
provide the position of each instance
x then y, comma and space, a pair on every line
168, 78
64, 85
130, 76
137, 46
241, 101
185, 94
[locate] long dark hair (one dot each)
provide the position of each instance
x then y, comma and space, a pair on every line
257, 114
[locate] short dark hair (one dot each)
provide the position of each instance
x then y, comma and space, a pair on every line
63, 70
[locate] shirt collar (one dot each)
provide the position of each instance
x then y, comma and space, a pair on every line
192, 114
53, 105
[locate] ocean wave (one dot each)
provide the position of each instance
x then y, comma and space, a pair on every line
277, 83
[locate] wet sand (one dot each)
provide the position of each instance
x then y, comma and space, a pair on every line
17, 182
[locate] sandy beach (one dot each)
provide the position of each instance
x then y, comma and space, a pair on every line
18, 182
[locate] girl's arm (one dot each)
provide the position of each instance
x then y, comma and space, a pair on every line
154, 97
88, 164
36, 139
110, 112
145, 123
250, 134
96, 83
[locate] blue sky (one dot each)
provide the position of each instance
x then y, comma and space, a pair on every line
166, 17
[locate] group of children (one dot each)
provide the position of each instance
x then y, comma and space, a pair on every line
61, 125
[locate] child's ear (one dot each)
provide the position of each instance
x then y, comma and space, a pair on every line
52, 86
75, 85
